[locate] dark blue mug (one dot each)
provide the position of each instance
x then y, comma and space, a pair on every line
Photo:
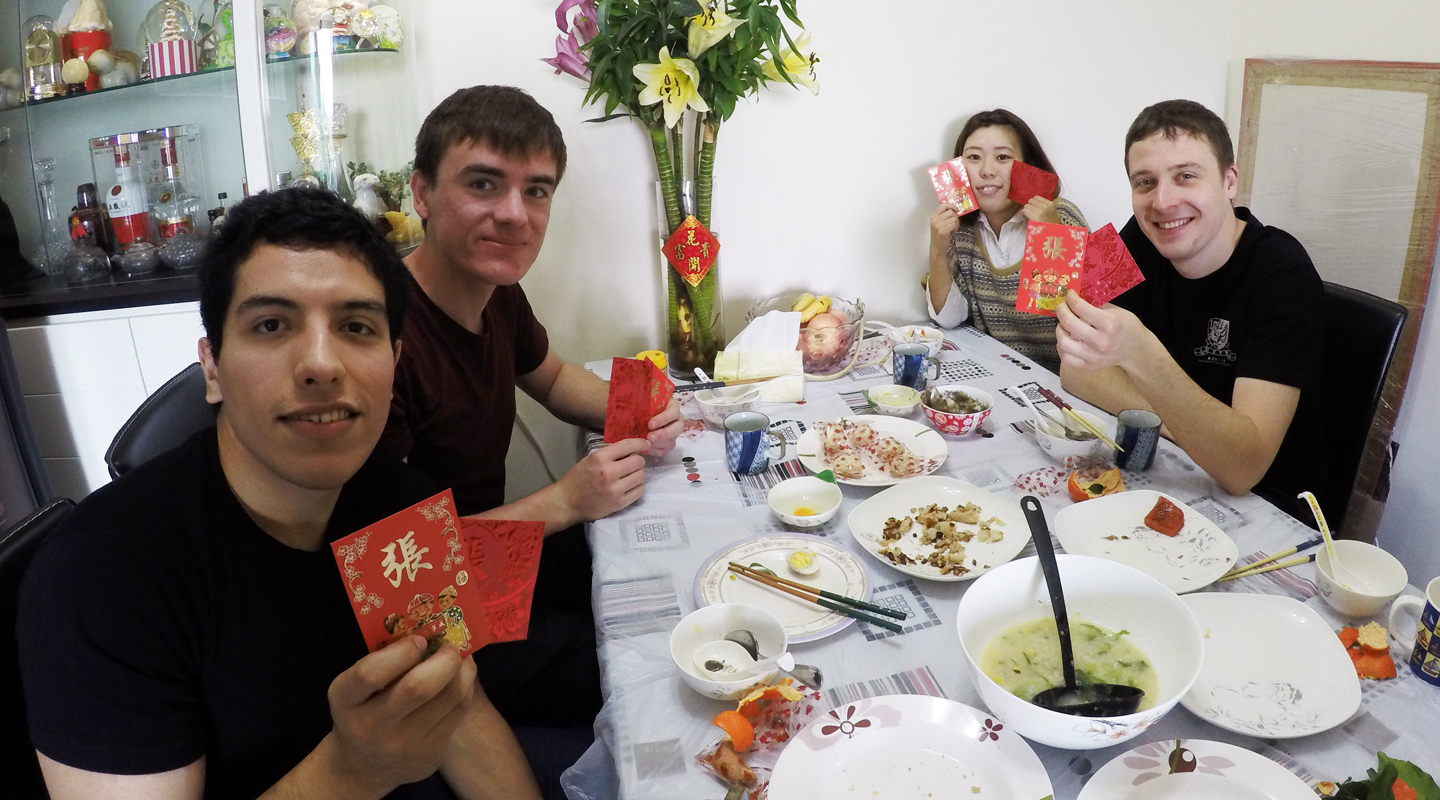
747, 445
910, 366
1138, 432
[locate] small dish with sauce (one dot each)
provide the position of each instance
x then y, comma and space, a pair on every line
805, 502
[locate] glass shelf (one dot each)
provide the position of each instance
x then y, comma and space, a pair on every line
271, 59
137, 84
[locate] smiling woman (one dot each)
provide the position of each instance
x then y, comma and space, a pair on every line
974, 265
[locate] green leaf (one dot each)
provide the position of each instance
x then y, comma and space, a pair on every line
826, 475
609, 117
1414, 777
686, 8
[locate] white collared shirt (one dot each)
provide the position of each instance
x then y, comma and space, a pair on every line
1003, 250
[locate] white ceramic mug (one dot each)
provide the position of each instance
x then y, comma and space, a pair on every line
1425, 654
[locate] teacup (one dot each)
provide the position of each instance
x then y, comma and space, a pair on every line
910, 366
1383, 573
1425, 655
747, 448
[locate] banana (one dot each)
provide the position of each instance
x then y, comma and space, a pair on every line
803, 303
820, 306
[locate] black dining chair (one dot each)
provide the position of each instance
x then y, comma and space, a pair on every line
19, 770
174, 413
24, 485
1362, 332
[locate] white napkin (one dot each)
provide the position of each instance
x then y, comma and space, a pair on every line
777, 331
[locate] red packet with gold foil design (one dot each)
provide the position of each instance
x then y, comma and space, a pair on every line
422, 571
1054, 262
638, 391
1027, 182
503, 557
952, 185
1110, 270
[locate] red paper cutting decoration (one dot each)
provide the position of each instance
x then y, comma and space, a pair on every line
692, 250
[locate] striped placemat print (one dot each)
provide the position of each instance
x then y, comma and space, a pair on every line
636, 606
915, 681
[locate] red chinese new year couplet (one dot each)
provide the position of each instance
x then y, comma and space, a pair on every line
424, 570
1110, 271
692, 250
952, 185
638, 391
1054, 262
1027, 182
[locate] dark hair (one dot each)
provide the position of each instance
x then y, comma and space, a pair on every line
1174, 117
304, 219
503, 118
1030, 150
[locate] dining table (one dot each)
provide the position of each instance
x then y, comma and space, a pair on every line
653, 726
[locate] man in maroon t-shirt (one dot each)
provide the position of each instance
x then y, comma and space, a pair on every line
487, 161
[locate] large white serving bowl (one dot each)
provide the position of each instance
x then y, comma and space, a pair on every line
711, 624
1106, 593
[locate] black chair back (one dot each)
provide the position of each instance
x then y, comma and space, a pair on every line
1362, 332
19, 770
174, 413
24, 486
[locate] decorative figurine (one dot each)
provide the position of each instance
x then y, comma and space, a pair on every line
389, 27
366, 200
217, 40
279, 33
169, 35
42, 59
308, 13
120, 69
86, 31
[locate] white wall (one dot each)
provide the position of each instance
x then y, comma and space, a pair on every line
1380, 30
827, 192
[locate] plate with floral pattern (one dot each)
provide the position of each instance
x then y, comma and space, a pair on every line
1193, 769
908, 746
838, 571
1273, 667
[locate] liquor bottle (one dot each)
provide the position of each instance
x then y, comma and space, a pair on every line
125, 202
89, 224
176, 209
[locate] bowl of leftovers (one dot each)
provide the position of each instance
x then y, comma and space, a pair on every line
956, 409
720, 669
805, 502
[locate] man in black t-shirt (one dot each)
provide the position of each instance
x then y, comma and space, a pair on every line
1223, 340
187, 634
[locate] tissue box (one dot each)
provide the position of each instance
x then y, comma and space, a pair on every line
752, 366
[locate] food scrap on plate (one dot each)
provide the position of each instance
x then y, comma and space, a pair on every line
1165, 517
854, 449
938, 529
755, 732
1094, 478
1392, 777
1369, 650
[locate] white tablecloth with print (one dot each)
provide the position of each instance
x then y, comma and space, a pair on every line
646, 559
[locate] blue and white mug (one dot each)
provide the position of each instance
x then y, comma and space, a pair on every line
910, 366
1138, 432
1425, 655
747, 442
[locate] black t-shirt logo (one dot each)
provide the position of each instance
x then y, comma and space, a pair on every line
1217, 343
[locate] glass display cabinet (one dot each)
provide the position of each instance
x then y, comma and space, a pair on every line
127, 128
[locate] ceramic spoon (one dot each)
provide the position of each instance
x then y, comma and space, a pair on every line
804, 673
1343, 576
1092, 699
1043, 421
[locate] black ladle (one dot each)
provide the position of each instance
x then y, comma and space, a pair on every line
1092, 699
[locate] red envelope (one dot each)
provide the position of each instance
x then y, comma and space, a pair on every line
638, 391
1027, 182
1110, 271
1054, 262
952, 185
426, 571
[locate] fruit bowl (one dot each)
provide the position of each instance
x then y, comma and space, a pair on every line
825, 350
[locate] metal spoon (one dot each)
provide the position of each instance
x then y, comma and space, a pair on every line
1090, 700
804, 673
1044, 422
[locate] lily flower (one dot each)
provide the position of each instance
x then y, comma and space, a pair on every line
673, 82
708, 28
800, 66
585, 22
568, 58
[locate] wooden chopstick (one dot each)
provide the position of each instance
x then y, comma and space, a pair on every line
1290, 551
839, 598
760, 577
1277, 565
1072, 414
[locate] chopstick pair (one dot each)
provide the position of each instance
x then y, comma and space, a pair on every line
850, 607
1248, 573
1073, 415
1241, 569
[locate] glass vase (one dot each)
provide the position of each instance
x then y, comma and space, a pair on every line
694, 323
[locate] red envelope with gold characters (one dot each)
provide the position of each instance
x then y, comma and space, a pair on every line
638, 391
952, 185
1054, 262
1110, 270
424, 570
1027, 182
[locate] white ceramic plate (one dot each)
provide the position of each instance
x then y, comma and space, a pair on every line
908, 746
1273, 667
840, 572
1113, 527
921, 439
1211, 770
867, 522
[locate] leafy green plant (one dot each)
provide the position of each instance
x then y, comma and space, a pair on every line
394, 186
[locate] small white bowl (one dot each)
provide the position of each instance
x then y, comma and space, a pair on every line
717, 404
894, 401
932, 338
1383, 572
1061, 448
711, 624
1099, 591
820, 496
